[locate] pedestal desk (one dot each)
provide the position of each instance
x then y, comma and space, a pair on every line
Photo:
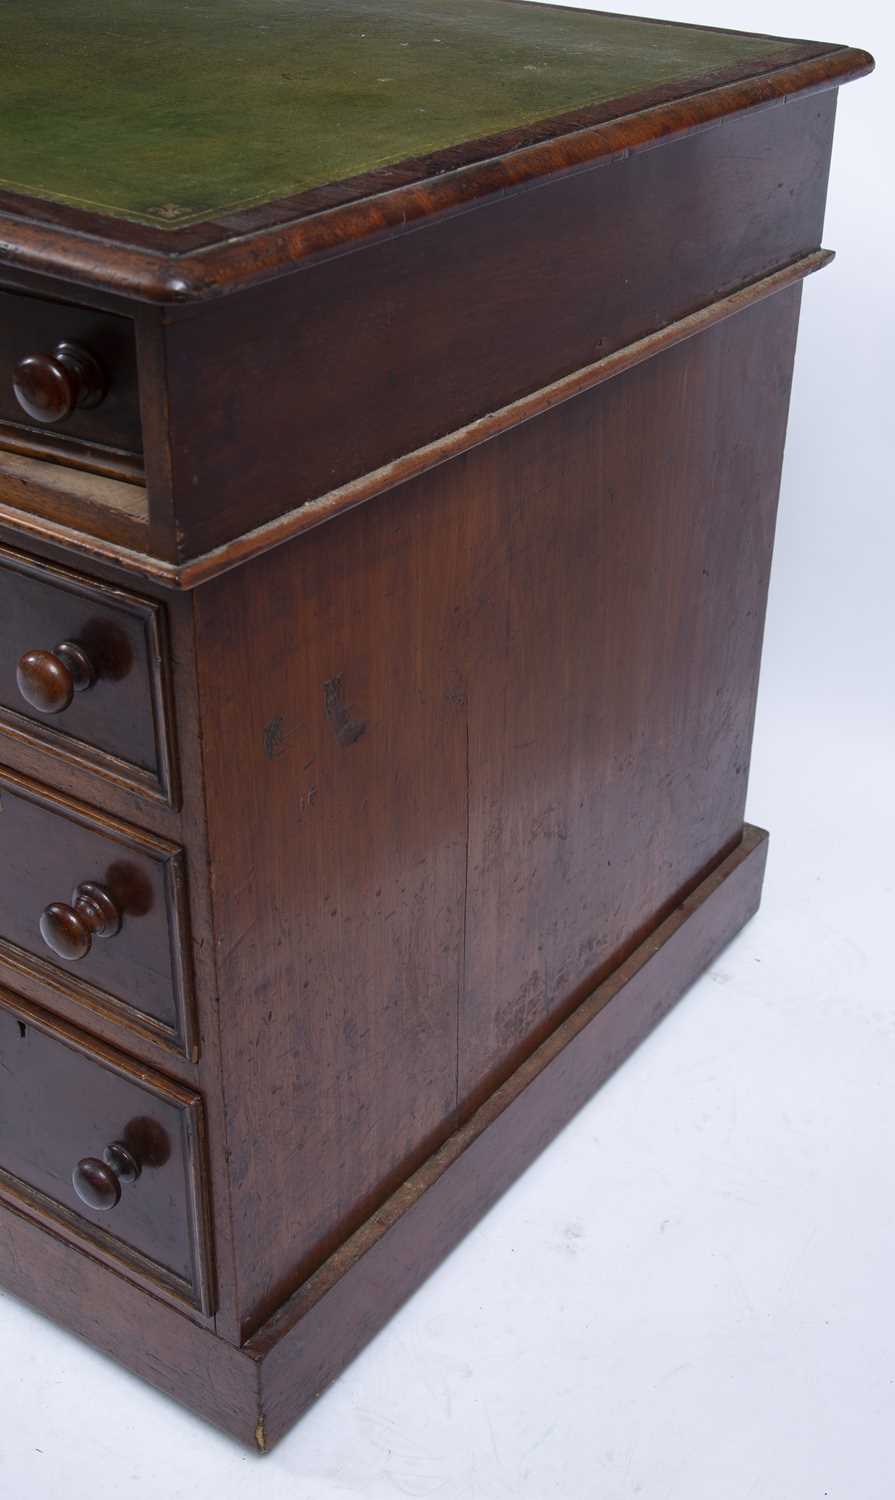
392, 404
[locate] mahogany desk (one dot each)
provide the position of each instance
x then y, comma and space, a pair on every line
392, 404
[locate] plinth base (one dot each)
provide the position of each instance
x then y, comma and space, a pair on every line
256, 1392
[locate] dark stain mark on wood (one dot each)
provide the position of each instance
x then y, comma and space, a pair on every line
274, 739
346, 729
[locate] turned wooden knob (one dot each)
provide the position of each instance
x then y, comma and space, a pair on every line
98, 1183
49, 387
69, 930
48, 680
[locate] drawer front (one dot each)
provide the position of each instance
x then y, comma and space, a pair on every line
118, 724
60, 865
64, 1101
75, 370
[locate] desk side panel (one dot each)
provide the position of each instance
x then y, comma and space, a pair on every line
464, 746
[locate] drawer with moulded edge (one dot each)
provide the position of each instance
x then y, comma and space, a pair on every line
69, 389
96, 910
105, 1152
84, 674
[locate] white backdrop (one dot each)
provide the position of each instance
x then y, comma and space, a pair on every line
689, 1297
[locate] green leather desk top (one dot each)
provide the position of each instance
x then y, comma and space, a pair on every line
168, 112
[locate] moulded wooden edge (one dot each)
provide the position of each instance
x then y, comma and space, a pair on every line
111, 257
198, 570
255, 1393
117, 508
77, 453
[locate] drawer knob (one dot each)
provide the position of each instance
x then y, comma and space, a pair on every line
69, 930
49, 387
48, 680
98, 1183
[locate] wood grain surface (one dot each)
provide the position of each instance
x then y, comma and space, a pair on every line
480, 737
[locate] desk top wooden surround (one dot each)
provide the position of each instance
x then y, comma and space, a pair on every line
392, 406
